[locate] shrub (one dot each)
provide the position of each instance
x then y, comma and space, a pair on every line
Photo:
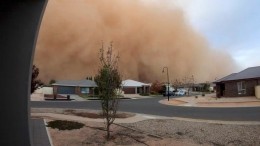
154, 93
156, 87
64, 125
144, 94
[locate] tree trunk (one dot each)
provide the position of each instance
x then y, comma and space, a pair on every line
108, 130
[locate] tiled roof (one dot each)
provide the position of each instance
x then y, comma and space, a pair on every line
132, 83
249, 73
226, 77
80, 83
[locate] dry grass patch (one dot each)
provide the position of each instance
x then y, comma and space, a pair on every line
97, 115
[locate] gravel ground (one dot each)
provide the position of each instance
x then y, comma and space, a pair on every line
93, 135
202, 133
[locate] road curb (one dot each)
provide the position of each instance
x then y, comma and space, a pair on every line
202, 120
210, 104
140, 117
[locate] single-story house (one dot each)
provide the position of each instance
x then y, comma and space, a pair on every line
239, 84
135, 87
74, 87
197, 87
171, 88
201, 87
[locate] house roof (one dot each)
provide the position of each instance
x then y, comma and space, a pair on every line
249, 73
132, 83
80, 83
225, 78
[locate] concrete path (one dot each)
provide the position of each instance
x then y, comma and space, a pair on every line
40, 97
75, 97
39, 133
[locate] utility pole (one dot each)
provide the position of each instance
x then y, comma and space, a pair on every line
168, 81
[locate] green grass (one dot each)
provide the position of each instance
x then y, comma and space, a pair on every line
64, 125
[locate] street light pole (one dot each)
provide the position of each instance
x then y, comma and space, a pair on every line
168, 81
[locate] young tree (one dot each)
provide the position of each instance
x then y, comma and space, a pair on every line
52, 81
177, 84
188, 83
108, 81
157, 87
206, 86
89, 78
35, 83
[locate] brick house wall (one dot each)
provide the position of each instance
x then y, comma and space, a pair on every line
147, 89
55, 89
231, 89
77, 90
218, 94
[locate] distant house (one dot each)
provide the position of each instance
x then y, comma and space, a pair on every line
171, 88
202, 87
74, 87
239, 84
135, 87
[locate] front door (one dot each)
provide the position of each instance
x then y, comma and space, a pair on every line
222, 89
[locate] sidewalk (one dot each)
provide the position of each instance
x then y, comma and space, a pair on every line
209, 100
40, 97
39, 133
42, 138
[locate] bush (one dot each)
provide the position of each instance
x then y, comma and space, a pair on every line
155, 93
64, 125
144, 94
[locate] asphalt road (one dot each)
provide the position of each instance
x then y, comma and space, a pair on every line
152, 107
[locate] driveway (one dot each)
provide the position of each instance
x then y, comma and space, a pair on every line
40, 97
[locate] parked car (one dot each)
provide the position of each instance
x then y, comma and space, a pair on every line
180, 93
171, 93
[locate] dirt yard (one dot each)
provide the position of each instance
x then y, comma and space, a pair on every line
94, 134
159, 132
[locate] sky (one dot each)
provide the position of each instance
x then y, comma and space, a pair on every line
192, 37
230, 25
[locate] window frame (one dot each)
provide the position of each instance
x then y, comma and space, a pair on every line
241, 88
84, 90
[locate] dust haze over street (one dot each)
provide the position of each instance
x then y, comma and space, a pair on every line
146, 35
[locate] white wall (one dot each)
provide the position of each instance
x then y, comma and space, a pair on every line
44, 90
170, 88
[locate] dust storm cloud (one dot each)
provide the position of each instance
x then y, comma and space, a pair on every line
147, 38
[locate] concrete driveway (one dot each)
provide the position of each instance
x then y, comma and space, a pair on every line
40, 97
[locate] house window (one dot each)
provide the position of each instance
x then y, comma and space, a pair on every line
241, 87
84, 90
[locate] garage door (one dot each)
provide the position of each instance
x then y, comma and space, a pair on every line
129, 90
66, 90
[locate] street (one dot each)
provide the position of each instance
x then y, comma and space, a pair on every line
151, 106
